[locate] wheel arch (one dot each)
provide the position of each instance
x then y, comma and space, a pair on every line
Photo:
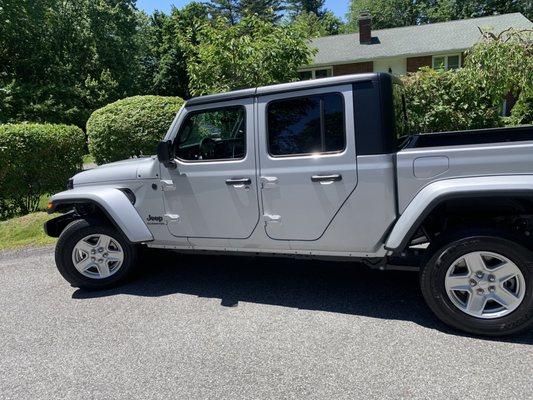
112, 204
438, 193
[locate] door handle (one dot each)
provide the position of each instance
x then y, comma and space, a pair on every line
269, 181
326, 178
239, 181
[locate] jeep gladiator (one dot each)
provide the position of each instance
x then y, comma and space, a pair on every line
324, 169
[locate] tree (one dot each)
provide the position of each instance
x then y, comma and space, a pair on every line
471, 97
268, 10
502, 63
445, 10
298, 7
314, 26
62, 58
234, 10
313, 19
227, 9
394, 13
166, 57
251, 53
385, 13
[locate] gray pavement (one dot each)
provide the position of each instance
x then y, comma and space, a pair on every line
241, 328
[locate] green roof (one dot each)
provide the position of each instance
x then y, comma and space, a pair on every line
451, 36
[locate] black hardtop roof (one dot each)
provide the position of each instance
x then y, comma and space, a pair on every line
289, 87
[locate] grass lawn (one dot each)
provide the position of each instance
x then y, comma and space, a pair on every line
24, 231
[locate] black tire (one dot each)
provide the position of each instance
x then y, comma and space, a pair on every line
78, 230
432, 282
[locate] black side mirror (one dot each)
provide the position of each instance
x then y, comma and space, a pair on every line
165, 153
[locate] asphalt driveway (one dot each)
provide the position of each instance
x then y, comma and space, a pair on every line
192, 327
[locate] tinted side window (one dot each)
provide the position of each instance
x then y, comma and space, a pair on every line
306, 125
213, 135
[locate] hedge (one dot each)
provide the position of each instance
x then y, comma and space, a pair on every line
35, 160
130, 127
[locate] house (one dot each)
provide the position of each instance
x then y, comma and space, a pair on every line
403, 50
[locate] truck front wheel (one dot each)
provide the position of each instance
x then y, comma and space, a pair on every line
481, 284
92, 255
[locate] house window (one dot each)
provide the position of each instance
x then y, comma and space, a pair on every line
452, 61
316, 73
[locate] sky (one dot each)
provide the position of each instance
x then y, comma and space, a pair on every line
339, 7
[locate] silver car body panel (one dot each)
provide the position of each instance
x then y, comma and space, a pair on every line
458, 187
115, 204
459, 162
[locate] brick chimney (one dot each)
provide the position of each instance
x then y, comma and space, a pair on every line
365, 28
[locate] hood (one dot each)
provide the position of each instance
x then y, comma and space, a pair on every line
132, 169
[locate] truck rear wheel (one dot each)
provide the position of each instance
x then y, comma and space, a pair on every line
92, 255
481, 284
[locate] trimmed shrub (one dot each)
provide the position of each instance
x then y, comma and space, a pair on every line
35, 160
130, 127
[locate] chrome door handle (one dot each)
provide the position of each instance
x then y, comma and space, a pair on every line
326, 178
239, 181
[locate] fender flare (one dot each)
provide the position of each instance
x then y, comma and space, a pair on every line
113, 203
433, 194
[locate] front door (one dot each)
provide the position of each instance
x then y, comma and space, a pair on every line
307, 160
213, 191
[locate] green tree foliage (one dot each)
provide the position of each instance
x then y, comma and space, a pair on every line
36, 159
385, 13
394, 13
267, 10
502, 63
234, 10
130, 127
226, 9
314, 26
313, 19
251, 53
306, 6
472, 97
445, 101
59, 59
166, 56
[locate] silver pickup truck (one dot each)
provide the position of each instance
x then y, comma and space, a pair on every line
321, 169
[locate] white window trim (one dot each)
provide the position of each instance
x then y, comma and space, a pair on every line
445, 56
313, 71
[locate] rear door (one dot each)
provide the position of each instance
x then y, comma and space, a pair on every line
307, 160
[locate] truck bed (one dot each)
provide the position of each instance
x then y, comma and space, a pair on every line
476, 136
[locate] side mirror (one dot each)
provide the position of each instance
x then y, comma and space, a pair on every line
165, 153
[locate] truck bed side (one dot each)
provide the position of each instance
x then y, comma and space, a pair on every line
418, 167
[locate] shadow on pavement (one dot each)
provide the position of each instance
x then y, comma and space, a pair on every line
337, 287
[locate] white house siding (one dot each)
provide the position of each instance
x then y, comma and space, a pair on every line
397, 65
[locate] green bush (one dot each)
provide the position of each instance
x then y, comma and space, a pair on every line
448, 100
36, 159
130, 127
522, 112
